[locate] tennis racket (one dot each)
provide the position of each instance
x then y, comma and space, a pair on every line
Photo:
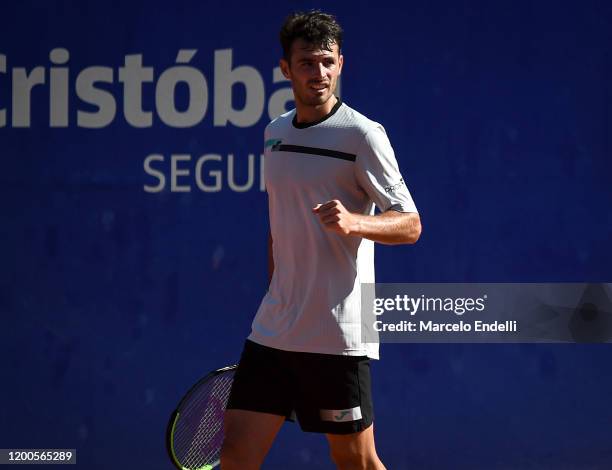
195, 430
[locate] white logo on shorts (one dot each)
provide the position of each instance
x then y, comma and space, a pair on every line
341, 416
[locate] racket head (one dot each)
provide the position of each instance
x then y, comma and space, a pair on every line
195, 430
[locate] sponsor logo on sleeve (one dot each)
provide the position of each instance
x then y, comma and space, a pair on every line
394, 187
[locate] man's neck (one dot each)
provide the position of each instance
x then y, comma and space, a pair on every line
306, 114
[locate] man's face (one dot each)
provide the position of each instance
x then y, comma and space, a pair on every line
313, 72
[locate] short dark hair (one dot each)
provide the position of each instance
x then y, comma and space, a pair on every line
314, 27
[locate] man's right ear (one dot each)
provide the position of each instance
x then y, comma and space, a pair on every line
284, 66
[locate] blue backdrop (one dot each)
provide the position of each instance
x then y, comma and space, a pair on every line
117, 292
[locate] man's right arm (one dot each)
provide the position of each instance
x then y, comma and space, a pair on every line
270, 259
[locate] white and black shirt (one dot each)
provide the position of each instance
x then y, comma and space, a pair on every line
314, 300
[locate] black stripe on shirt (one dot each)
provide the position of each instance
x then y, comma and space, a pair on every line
314, 151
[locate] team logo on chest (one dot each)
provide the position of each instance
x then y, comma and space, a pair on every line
274, 143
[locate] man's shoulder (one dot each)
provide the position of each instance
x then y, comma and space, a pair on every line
358, 121
281, 121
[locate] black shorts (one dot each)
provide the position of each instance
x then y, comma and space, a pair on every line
327, 393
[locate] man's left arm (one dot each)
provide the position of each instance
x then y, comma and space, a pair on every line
390, 227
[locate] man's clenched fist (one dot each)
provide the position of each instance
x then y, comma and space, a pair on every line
336, 218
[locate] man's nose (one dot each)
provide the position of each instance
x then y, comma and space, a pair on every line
320, 70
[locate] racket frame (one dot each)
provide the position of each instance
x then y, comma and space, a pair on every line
176, 414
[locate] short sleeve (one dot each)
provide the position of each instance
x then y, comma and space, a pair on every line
378, 174
266, 151
266, 138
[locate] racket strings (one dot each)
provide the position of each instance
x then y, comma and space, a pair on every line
199, 430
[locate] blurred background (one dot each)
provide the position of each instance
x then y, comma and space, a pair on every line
134, 225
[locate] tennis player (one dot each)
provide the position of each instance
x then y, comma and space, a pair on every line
326, 166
